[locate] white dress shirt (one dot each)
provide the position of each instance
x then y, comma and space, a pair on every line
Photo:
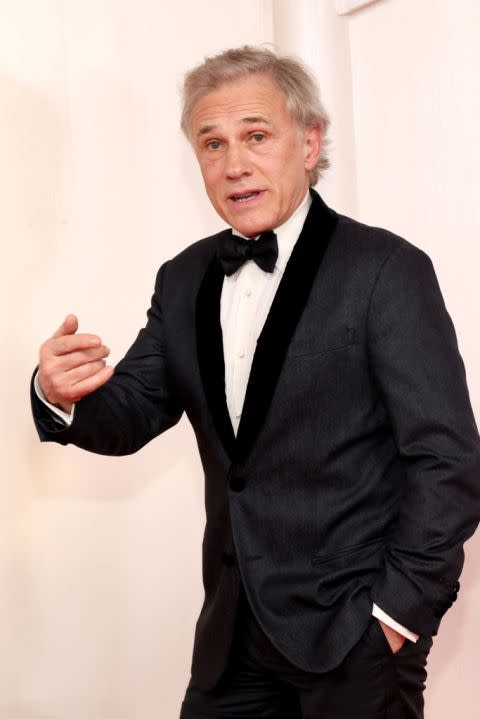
245, 301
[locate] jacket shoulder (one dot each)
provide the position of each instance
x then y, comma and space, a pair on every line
199, 253
371, 243
188, 267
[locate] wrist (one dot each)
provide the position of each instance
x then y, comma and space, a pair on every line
65, 406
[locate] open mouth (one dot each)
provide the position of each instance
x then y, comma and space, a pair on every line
246, 196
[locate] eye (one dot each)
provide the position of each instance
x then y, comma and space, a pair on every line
213, 144
257, 137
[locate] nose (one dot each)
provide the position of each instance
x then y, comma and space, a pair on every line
236, 162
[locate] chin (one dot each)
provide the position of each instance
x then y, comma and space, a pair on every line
252, 228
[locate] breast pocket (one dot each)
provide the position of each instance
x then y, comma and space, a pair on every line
320, 342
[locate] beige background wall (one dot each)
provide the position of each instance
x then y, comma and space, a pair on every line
417, 111
97, 188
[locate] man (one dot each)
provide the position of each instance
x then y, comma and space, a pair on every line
320, 371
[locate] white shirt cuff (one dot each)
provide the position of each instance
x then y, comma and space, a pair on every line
58, 413
380, 614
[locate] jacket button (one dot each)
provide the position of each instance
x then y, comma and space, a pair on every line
237, 483
228, 559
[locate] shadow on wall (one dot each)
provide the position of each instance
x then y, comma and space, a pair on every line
33, 134
33, 137
18, 713
36, 188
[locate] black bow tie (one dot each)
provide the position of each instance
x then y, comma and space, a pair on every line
233, 251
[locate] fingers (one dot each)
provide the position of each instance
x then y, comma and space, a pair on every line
84, 371
71, 360
65, 339
72, 365
71, 343
63, 388
90, 384
68, 327
394, 638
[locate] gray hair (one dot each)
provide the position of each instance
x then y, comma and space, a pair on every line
292, 77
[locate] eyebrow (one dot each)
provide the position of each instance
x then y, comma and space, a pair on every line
251, 120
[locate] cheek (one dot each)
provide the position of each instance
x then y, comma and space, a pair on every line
284, 158
210, 173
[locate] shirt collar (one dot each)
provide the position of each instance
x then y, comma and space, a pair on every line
288, 232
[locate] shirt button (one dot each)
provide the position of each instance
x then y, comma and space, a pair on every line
248, 293
241, 354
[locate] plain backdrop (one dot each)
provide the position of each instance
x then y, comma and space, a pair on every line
100, 574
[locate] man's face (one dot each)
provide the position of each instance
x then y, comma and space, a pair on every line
253, 155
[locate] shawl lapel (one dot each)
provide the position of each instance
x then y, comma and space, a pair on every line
274, 339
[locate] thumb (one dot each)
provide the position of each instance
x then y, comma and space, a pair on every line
68, 327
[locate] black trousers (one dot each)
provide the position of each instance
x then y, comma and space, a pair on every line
371, 683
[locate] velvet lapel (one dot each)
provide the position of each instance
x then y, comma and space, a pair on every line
210, 352
274, 339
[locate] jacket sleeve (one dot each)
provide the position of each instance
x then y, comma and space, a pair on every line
420, 375
138, 403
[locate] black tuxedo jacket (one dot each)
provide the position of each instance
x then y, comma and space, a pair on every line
355, 473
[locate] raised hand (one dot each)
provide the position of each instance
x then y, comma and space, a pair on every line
72, 365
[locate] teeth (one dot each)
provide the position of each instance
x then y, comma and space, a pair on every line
247, 196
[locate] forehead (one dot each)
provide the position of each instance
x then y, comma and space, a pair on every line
250, 97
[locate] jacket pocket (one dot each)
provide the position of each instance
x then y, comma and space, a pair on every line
315, 344
347, 550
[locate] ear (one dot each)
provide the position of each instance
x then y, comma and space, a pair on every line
312, 146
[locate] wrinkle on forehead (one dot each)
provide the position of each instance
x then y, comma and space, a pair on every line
227, 103
239, 111
252, 120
